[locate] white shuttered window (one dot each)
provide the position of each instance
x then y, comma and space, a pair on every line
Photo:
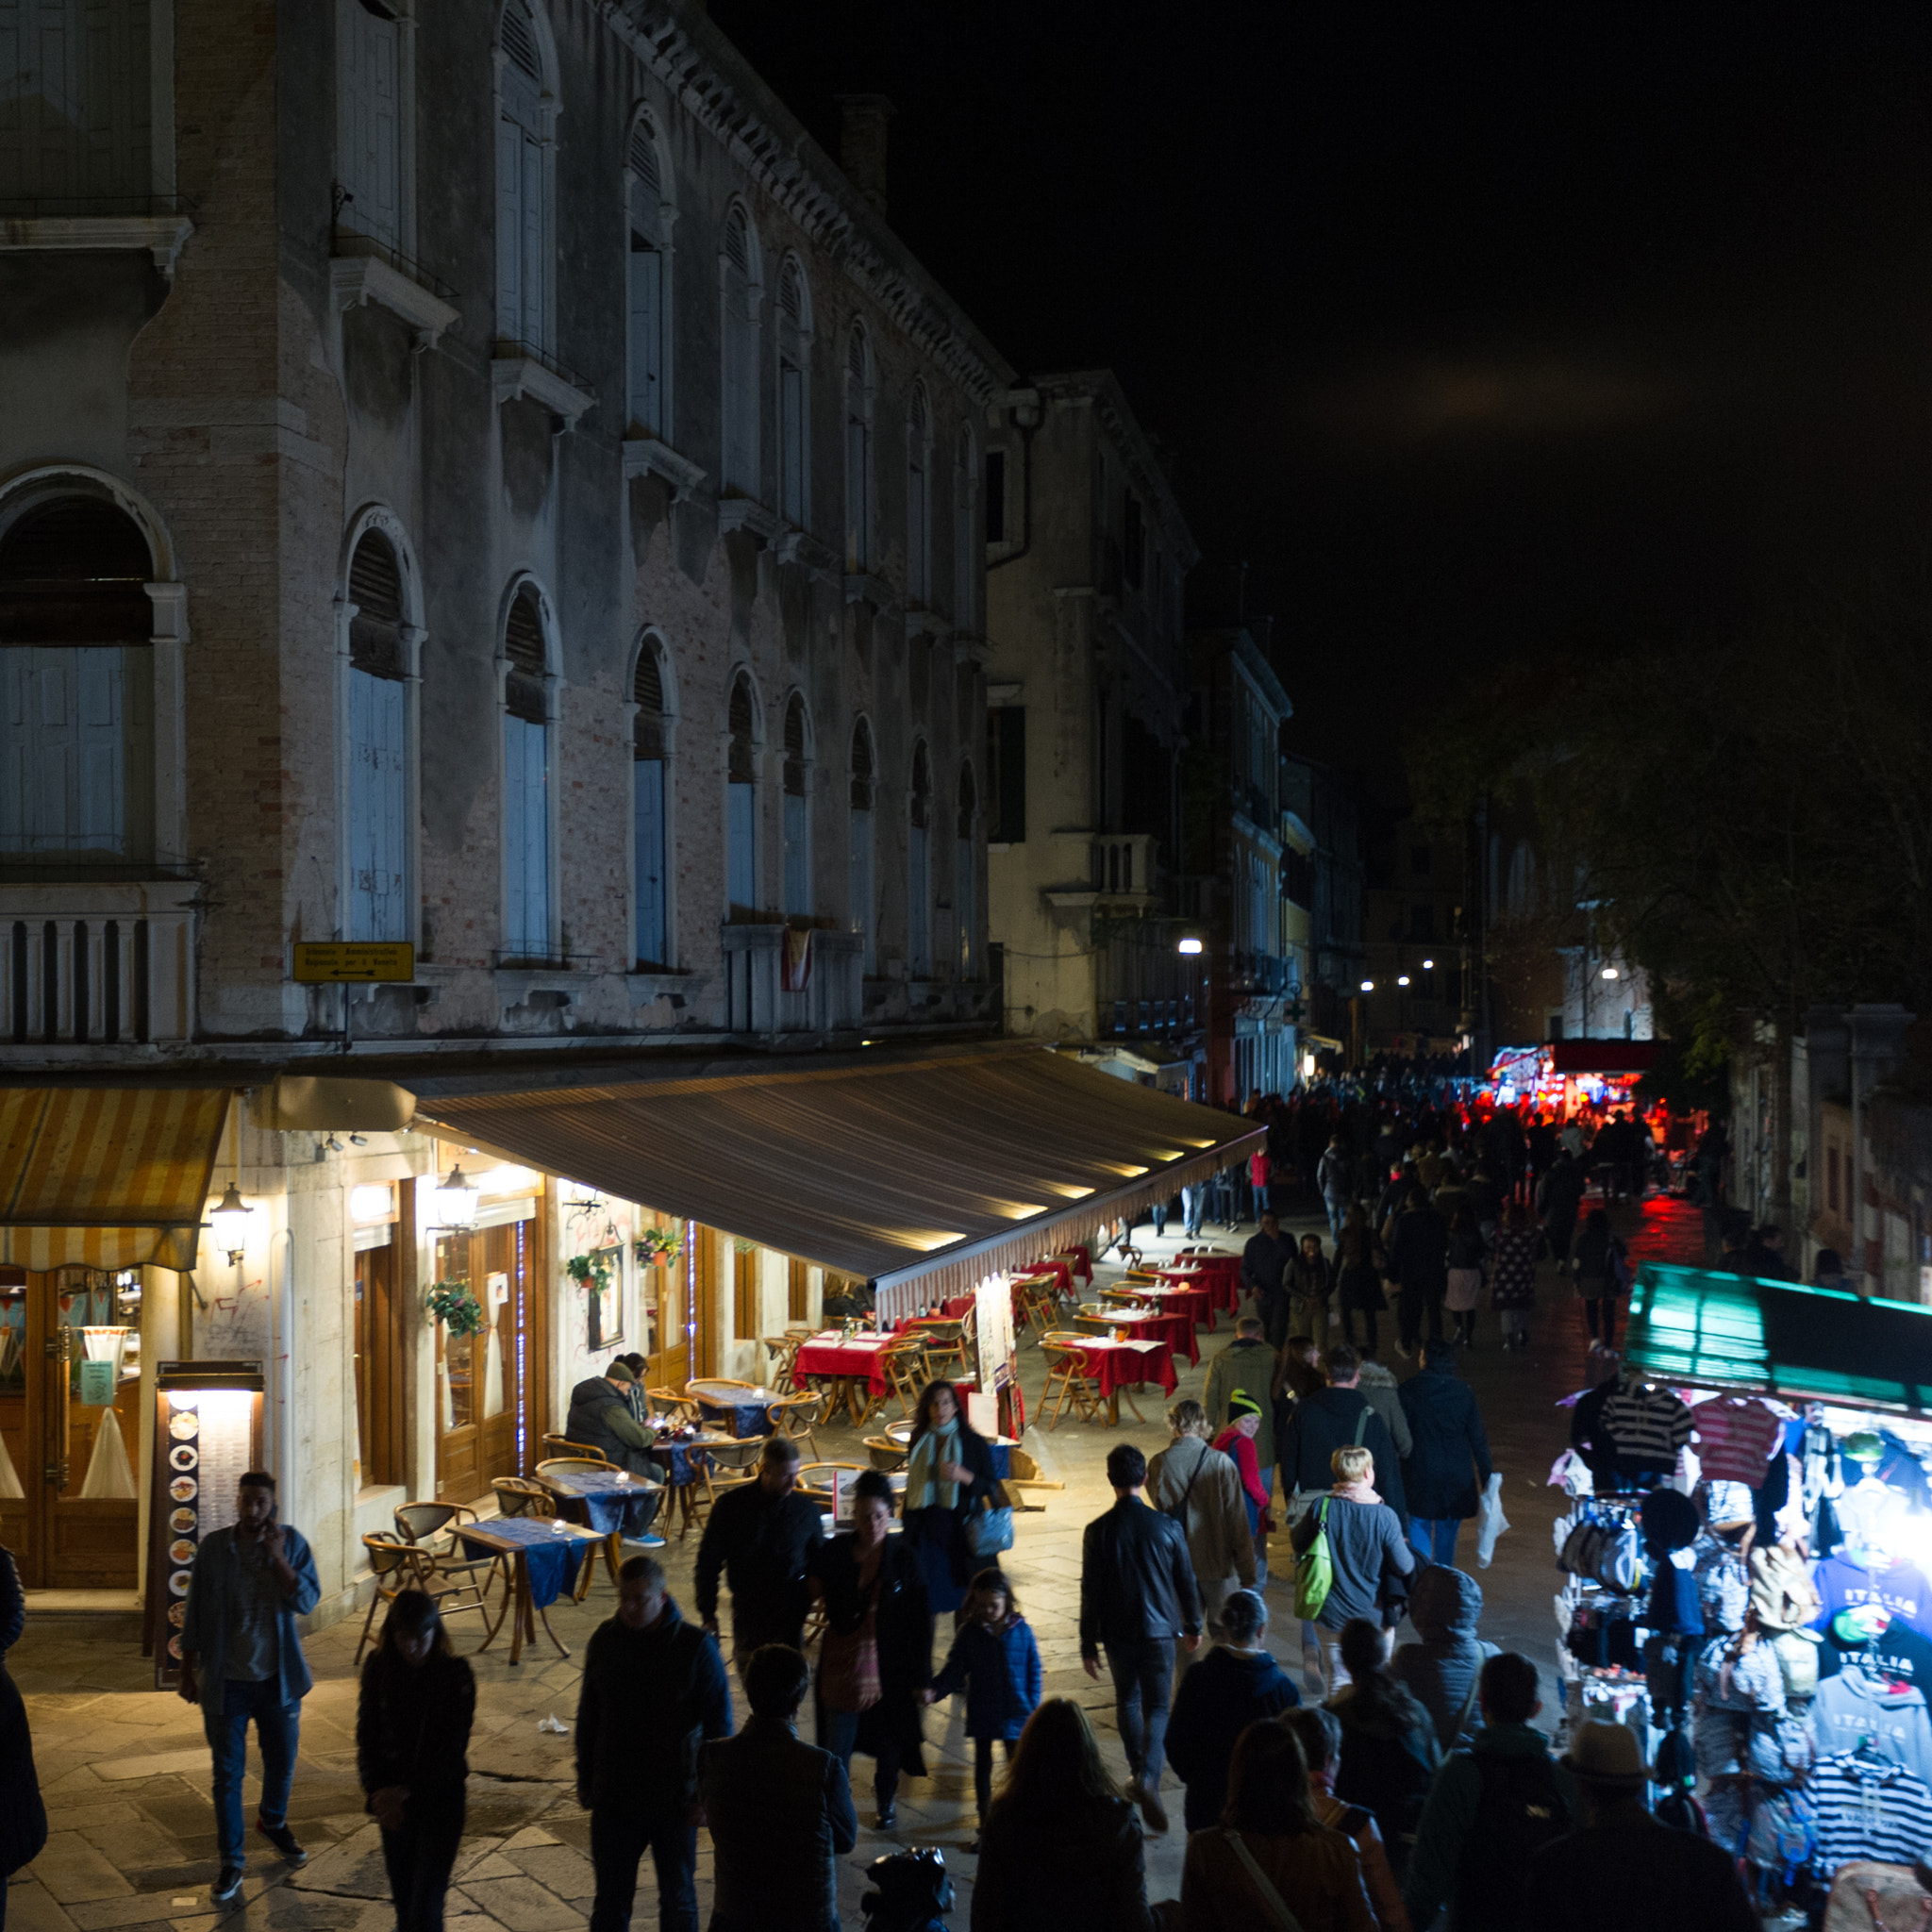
521, 229
645, 271
372, 154
526, 786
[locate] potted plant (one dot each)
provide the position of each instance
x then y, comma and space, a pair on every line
452, 1303
657, 1247
589, 1271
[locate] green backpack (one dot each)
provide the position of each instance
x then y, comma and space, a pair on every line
1314, 1570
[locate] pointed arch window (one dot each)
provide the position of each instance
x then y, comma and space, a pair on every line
741, 798
76, 687
378, 905
919, 869
527, 781
795, 394
646, 281
523, 225
798, 893
739, 269
647, 808
919, 497
858, 394
861, 849
966, 874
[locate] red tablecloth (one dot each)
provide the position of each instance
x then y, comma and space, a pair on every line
1175, 1330
1082, 1259
1128, 1364
963, 1305
840, 1357
1063, 1273
1180, 1295
1222, 1281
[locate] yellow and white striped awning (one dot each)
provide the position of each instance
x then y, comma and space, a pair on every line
106, 1176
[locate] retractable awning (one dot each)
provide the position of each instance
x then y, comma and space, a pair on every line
106, 1176
1602, 1055
1804, 1345
921, 1176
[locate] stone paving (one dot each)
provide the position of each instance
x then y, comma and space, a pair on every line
126, 1770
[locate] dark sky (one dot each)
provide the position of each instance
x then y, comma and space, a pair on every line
1479, 331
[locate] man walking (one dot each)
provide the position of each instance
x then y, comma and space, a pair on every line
762, 1535
1264, 1261
1448, 1468
1419, 1261
1237, 1684
1201, 1488
652, 1687
1244, 1367
1136, 1597
1335, 1177
242, 1658
1329, 1419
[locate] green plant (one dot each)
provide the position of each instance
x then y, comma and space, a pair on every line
657, 1247
452, 1303
744, 1245
589, 1271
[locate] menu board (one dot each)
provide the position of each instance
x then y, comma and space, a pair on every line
208, 1433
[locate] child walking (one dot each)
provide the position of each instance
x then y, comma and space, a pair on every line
996, 1660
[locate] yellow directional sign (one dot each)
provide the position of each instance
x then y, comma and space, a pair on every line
326, 961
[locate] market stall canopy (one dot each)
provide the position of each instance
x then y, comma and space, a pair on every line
922, 1177
1602, 1055
1816, 1344
106, 1176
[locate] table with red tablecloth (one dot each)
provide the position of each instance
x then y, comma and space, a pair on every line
1185, 1296
1221, 1277
1173, 1327
844, 1361
1117, 1365
1081, 1257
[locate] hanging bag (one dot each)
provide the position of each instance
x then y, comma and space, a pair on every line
849, 1661
1278, 1906
990, 1530
1314, 1570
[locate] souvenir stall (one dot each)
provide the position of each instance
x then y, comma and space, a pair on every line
1745, 1567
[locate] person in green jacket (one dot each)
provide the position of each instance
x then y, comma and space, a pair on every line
1247, 1363
1490, 1810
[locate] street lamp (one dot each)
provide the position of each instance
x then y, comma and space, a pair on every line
230, 1221
1428, 965
1368, 986
1610, 972
1402, 979
1189, 946
456, 1200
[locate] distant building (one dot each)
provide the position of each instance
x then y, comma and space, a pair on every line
1321, 875
1416, 930
1086, 555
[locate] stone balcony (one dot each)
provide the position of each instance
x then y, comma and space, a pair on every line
107, 964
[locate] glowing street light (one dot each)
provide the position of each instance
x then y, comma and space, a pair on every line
1368, 986
1402, 979
229, 1220
456, 1200
1610, 972
1189, 946
1427, 964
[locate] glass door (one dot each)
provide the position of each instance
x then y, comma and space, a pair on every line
489, 1385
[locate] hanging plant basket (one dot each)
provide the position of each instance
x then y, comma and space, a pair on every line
589, 1271
657, 1247
452, 1303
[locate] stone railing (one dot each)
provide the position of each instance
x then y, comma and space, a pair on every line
97, 964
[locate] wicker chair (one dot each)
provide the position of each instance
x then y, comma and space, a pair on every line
735, 1463
816, 1478
562, 1445
393, 1563
782, 1350
1067, 1379
904, 1363
565, 1465
886, 1454
673, 1403
797, 1416
946, 1347
517, 1497
447, 1576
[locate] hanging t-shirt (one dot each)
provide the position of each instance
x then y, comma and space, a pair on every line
1852, 1707
1896, 1652
1867, 1809
1648, 1426
1901, 1590
1735, 1438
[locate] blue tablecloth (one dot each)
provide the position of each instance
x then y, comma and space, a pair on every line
553, 1560
681, 1464
628, 1507
739, 1418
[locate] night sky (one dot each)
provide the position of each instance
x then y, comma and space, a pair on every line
1480, 333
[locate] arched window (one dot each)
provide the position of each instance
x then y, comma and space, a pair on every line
861, 850
966, 874
378, 753
77, 117
919, 869
737, 269
967, 549
740, 787
645, 268
797, 810
795, 394
919, 497
523, 224
525, 780
648, 750
859, 394
76, 687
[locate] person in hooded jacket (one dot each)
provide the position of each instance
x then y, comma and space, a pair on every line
1389, 1749
1445, 1605
1446, 1473
1235, 1685
600, 1417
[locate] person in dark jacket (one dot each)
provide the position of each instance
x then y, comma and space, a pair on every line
1449, 1467
870, 1585
653, 1689
1328, 1418
1137, 1595
996, 1663
1265, 1261
1060, 1851
601, 1419
1444, 1605
780, 1810
762, 1535
948, 1476
1389, 1749
22, 1816
1558, 1198
1599, 1262
1309, 1283
418, 1701
1358, 1261
1237, 1684
1419, 1261
1621, 1867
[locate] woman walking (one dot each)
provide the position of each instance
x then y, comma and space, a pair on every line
1358, 1264
1514, 1252
948, 1475
412, 1732
1599, 1264
1465, 1257
22, 1816
995, 1660
876, 1661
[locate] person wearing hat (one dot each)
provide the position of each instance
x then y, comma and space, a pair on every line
1202, 1488
1621, 1867
600, 1419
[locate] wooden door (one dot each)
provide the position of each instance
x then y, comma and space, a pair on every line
62, 1539
491, 1386
378, 1364
664, 1309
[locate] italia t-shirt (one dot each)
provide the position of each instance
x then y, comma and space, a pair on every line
1901, 1590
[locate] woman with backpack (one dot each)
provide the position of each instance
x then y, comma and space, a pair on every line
1599, 1261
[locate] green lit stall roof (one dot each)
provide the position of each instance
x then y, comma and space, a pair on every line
1815, 1345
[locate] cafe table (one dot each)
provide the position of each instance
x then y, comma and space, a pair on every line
1150, 1321
1117, 1365
1219, 1277
1000, 1446
749, 1410
545, 1553
849, 1363
1171, 1297
615, 1505
684, 1461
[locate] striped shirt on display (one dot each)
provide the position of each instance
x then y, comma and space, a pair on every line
1868, 1811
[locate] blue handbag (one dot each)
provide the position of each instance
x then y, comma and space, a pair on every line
989, 1531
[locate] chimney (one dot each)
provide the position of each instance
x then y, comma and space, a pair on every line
862, 143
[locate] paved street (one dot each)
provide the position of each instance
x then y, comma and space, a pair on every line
126, 1771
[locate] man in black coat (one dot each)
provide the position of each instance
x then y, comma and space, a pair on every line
1558, 1197
1419, 1261
653, 1689
762, 1535
1264, 1261
1137, 1596
1449, 1466
1328, 1420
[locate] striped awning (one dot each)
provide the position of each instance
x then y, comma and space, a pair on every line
922, 1177
106, 1176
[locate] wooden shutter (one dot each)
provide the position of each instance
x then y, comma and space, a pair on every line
647, 335
75, 106
744, 844
378, 809
744, 1299
535, 269
372, 163
918, 903
792, 440
797, 855
859, 858
526, 839
647, 804
510, 227
797, 1288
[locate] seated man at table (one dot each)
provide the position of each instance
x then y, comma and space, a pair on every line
762, 1535
600, 1417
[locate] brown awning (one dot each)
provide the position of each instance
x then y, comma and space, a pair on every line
921, 1176
106, 1176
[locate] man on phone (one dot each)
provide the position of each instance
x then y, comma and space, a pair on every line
242, 1658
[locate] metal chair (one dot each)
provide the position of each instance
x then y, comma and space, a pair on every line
562, 1445
797, 1416
1067, 1379
886, 1454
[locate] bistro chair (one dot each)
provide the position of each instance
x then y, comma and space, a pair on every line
945, 1346
782, 1350
515, 1496
735, 1463
797, 1416
459, 1584
815, 1479
392, 1563
886, 1454
568, 1465
1068, 1378
562, 1445
904, 1363
423, 1523
1039, 1299
673, 1403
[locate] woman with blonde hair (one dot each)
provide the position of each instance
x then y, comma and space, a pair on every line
1368, 1555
